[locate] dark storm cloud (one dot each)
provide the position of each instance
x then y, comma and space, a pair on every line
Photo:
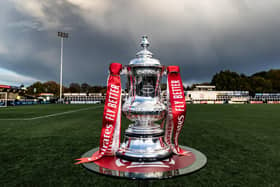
203, 37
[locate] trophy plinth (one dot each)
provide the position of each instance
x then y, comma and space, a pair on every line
144, 139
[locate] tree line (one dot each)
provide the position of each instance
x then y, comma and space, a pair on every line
261, 82
53, 87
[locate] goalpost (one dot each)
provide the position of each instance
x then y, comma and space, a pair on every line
3, 99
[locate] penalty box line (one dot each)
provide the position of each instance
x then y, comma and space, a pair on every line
51, 115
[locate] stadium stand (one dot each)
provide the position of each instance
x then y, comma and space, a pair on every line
3, 99
269, 98
217, 97
206, 94
9, 94
13, 96
83, 98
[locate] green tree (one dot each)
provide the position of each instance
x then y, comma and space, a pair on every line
97, 89
227, 80
258, 82
35, 88
270, 81
85, 88
75, 88
51, 87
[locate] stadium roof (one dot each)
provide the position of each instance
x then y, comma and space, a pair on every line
205, 86
4, 86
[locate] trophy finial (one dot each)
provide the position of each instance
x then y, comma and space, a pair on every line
145, 43
144, 57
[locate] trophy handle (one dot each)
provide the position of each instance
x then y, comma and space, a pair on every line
163, 92
164, 70
124, 70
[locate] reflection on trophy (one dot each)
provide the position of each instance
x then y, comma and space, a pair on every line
144, 138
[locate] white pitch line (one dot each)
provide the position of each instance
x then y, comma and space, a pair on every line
15, 119
51, 115
62, 113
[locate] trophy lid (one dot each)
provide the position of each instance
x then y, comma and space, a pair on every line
144, 57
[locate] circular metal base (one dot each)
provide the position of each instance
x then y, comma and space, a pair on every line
171, 167
147, 158
143, 149
144, 142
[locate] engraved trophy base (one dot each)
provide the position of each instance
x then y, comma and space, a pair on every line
144, 143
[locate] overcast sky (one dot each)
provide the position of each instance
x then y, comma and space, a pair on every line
202, 36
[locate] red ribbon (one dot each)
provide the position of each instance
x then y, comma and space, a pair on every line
110, 133
176, 109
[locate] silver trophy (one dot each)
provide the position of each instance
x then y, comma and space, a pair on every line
144, 106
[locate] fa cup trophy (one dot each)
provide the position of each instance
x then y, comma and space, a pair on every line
156, 121
150, 149
144, 106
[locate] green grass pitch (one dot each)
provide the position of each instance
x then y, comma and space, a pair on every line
39, 144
